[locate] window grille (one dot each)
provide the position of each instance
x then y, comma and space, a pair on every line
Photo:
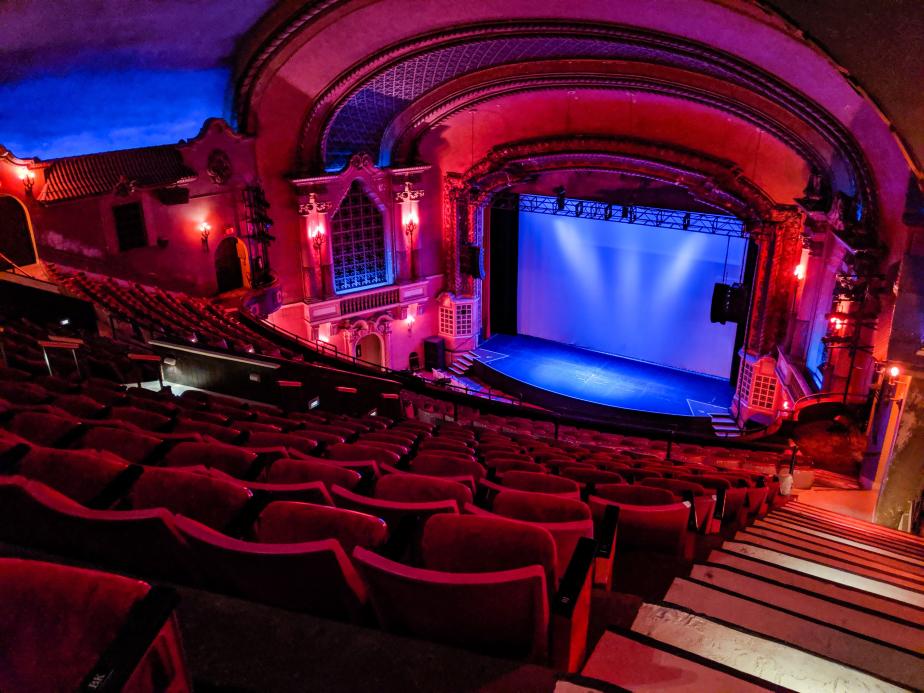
764, 392
446, 321
464, 320
358, 243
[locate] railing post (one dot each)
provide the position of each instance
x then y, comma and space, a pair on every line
792, 460
670, 444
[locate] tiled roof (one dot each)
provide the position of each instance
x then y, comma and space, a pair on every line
96, 174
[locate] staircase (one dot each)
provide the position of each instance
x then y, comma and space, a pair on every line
462, 363
803, 599
725, 426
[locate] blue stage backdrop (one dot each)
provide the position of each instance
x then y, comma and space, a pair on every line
634, 291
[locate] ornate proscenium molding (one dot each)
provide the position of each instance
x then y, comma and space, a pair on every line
713, 182
409, 194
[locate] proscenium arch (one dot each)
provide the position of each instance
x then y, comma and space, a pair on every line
328, 112
33, 248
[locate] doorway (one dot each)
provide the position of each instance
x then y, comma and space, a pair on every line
15, 235
369, 349
231, 265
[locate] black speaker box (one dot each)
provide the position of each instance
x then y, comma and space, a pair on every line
435, 353
721, 300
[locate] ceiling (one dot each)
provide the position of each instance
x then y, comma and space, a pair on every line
86, 75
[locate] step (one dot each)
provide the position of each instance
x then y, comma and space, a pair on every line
826, 585
805, 632
778, 663
835, 573
847, 533
840, 613
638, 663
725, 427
836, 559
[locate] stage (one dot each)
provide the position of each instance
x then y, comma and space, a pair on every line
582, 382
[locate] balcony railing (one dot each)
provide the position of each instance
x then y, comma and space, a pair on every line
367, 301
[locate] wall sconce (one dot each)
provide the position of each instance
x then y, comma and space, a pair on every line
28, 180
205, 230
894, 372
316, 236
409, 321
799, 272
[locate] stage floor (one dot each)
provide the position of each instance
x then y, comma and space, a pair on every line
603, 379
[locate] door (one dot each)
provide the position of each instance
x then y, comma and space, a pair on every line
369, 349
15, 236
228, 270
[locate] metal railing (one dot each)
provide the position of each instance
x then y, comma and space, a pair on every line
14, 268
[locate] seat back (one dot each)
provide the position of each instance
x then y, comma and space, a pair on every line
541, 483
70, 616
230, 459
133, 446
346, 451
286, 470
444, 466
42, 428
81, 475
502, 613
212, 501
657, 528
286, 522
142, 541
315, 577
635, 495
418, 488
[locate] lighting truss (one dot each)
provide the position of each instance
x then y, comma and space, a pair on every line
715, 224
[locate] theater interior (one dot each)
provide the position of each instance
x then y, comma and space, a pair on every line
417, 345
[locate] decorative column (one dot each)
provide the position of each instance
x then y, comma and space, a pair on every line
454, 218
317, 268
408, 205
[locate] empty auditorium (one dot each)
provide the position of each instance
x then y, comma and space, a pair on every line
426, 346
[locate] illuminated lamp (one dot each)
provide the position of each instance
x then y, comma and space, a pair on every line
799, 272
205, 230
28, 179
894, 371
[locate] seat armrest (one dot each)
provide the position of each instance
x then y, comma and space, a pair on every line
570, 610
606, 531
122, 656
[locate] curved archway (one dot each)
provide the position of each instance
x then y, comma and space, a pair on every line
17, 246
371, 349
232, 267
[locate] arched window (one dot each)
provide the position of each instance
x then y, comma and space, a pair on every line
358, 243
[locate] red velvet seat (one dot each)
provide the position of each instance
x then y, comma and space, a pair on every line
395, 448
133, 446
224, 434
418, 488
566, 519
485, 585
209, 500
57, 621
238, 462
286, 522
649, 518
143, 541
703, 498
437, 466
81, 475
42, 428
142, 418
346, 451
288, 440
733, 505
538, 482
19, 392
287, 471
586, 477
319, 435
315, 577
447, 445
80, 406
302, 492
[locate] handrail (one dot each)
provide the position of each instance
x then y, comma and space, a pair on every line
15, 267
333, 352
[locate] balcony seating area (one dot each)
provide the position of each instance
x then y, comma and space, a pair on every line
148, 312
486, 533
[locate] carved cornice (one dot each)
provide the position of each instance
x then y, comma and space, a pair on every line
654, 47
714, 182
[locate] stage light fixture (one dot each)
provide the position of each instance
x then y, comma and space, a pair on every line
686, 221
608, 212
624, 212
579, 209
560, 197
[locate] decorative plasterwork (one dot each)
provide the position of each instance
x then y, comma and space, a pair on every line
354, 111
397, 144
714, 182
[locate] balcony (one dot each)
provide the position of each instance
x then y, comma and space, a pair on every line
374, 300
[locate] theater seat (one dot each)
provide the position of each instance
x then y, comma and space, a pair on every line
286, 522
56, 623
541, 483
19, 392
703, 498
80, 406
315, 577
347, 451
418, 488
42, 428
436, 466
142, 418
290, 471
485, 586
209, 500
81, 475
133, 446
258, 439
566, 519
238, 462
142, 541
